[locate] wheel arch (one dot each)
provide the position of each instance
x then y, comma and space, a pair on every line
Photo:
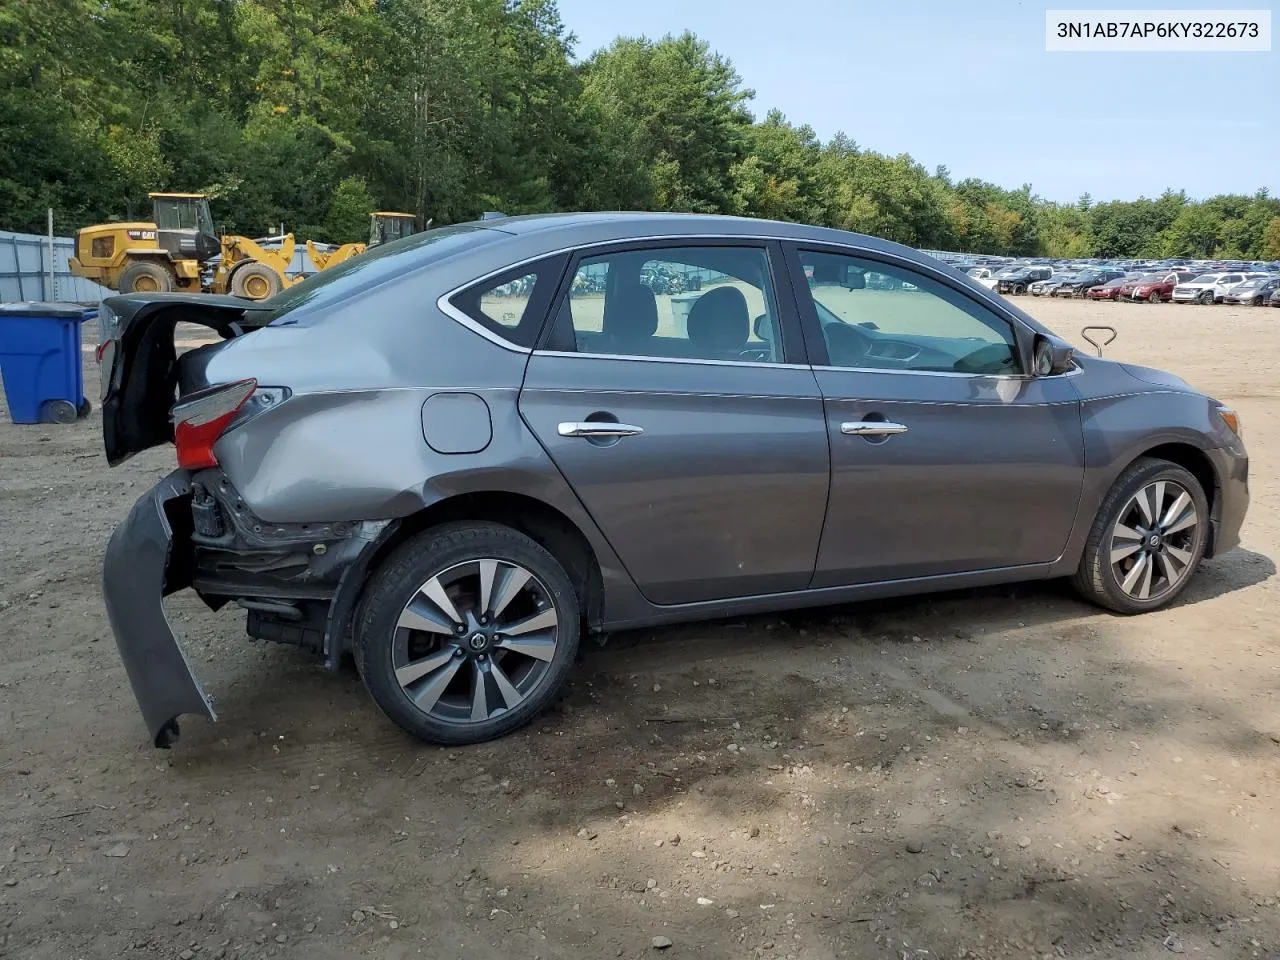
543, 523
1181, 452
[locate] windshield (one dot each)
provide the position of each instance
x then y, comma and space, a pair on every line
375, 266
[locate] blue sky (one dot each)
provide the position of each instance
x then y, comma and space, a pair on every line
970, 85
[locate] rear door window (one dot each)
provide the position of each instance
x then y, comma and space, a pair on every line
693, 303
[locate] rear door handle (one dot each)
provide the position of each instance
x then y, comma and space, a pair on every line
872, 428
598, 429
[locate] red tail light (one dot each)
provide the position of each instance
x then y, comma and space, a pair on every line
200, 420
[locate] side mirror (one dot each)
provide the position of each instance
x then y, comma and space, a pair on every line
1052, 356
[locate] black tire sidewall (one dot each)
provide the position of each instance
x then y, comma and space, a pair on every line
1095, 578
415, 563
162, 275
255, 269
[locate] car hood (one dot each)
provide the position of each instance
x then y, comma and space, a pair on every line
1159, 378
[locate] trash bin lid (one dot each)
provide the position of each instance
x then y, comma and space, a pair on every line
60, 310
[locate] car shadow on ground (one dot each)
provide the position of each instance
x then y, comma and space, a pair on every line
966, 771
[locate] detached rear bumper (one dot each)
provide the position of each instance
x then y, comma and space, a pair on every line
139, 569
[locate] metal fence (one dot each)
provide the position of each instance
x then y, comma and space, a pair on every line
24, 271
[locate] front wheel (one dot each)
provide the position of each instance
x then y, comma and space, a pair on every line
1147, 539
1206, 298
1153, 297
256, 281
467, 633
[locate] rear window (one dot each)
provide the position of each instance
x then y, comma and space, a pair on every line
384, 262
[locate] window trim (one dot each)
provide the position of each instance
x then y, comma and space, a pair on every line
548, 270
793, 353
811, 326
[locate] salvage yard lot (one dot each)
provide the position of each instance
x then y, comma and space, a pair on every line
1006, 772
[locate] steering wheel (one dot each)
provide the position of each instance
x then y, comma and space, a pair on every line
846, 343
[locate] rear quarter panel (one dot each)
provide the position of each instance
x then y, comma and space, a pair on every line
349, 444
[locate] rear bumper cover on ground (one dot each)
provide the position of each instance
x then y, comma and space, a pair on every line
137, 571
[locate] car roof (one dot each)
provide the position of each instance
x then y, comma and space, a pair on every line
627, 225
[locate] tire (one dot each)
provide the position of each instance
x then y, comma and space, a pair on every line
1099, 580
1153, 297
1019, 289
447, 666
145, 276
256, 281
1205, 298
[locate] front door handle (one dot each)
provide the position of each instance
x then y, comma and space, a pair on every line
598, 429
872, 428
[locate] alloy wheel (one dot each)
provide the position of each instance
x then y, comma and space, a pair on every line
1153, 542
475, 640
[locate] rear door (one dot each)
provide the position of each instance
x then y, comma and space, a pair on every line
945, 457
672, 394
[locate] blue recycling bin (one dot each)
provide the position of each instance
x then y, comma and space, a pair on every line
40, 361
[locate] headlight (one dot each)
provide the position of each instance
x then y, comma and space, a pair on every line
1231, 419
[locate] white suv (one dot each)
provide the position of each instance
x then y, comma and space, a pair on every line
1206, 288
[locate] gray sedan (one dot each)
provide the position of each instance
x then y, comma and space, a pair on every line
452, 455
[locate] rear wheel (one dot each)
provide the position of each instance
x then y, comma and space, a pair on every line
1147, 538
144, 276
467, 633
256, 281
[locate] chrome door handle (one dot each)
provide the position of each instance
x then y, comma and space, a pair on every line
592, 429
872, 428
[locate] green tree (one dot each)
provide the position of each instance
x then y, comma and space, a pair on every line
348, 218
671, 108
1195, 233
1270, 249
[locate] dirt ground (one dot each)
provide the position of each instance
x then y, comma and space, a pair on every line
998, 773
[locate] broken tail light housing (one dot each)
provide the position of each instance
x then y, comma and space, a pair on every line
199, 420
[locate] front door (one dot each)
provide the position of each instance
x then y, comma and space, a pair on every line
945, 457
666, 399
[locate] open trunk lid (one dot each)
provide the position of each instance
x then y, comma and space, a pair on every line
139, 360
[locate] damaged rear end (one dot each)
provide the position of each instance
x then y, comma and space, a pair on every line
192, 529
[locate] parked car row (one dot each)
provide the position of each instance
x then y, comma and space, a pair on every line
1255, 288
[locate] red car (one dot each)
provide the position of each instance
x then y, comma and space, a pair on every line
1153, 287
1106, 291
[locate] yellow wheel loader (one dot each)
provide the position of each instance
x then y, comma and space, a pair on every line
177, 251
384, 226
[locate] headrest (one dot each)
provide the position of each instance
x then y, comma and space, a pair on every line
631, 313
719, 320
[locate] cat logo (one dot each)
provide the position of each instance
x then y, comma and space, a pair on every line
142, 234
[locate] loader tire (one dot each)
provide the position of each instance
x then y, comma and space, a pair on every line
146, 277
256, 281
